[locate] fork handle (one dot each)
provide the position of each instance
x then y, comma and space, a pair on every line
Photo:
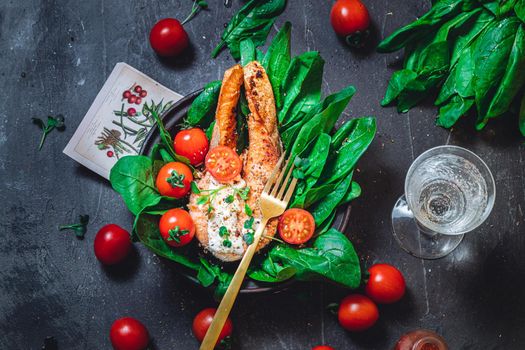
210, 340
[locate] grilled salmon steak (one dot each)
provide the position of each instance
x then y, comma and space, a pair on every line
230, 211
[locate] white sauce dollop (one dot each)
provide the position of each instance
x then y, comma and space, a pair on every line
225, 214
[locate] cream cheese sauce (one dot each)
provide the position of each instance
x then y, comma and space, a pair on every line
225, 214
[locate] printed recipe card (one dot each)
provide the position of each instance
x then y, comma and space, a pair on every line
119, 119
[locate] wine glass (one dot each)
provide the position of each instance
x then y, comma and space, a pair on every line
449, 191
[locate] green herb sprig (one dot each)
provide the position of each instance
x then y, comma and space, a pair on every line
195, 8
56, 122
80, 228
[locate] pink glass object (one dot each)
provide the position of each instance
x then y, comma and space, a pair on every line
421, 339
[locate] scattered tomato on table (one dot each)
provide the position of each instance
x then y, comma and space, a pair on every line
168, 37
128, 333
296, 226
357, 313
112, 244
174, 180
202, 322
223, 163
385, 284
192, 144
176, 227
350, 20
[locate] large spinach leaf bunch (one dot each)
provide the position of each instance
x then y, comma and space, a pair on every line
325, 163
471, 51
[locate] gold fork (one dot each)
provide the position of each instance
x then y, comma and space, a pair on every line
273, 202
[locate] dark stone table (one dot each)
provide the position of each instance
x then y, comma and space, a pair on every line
54, 58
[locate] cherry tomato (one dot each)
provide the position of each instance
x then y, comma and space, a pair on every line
296, 226
138, 89
322, 347
386, 284
112, 244
176, 227
174, 180
192, 144
128, 333
223, 163
350, 19
357, 313
126, 94
131, 111
168, 37
202, 322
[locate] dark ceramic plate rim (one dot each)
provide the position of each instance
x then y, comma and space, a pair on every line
171, 119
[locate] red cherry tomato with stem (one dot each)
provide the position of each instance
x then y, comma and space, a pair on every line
112, 244
357, 313
202, 322
143, 93
223, 163
137, 89
168, 37
192, 144
128, 333
132, 99
385, 284
174, 180
296, 226
176, 227
126, 94
350, 19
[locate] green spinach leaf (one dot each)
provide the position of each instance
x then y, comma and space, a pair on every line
301, 87
331, 257
277, 60
253, 21
202, 110
247, 51
133, 178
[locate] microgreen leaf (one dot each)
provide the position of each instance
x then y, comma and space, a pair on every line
249, 223
202, 200
194, 188
243, 192
223, 231
229, 199
79, 228
227, 243
52, 123
195, 8
248, 238
248, 210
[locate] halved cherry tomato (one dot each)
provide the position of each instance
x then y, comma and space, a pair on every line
223, 163
128, 333
323, 347
176, 227
174, 180
192, 144
296, 226
357, 313
202, 322
386, 284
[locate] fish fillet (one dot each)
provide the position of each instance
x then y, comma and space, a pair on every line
260, 158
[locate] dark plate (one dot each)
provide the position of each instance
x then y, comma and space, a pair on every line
171, 119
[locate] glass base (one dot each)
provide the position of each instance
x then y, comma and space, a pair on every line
416, 241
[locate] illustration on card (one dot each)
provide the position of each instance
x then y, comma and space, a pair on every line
131, 121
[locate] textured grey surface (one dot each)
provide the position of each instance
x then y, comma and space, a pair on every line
54, 58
